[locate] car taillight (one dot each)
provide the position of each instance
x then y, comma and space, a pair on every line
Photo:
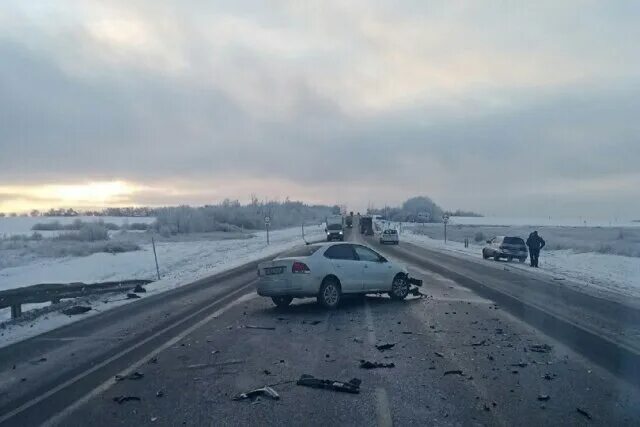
300, 267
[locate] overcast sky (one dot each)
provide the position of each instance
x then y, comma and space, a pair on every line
507, 108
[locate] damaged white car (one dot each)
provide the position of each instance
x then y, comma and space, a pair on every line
328, 271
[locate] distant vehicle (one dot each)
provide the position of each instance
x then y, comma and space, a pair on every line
390, 235
366, 225
505, 247
334, 228
329, 270
349, 221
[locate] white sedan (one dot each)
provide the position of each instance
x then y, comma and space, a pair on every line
329, 270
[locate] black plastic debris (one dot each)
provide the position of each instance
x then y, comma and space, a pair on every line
160, 393
266, 372
383, 347
365, 364
549, 377
407, 332
352, 386
265, 391
131, 295
311, 322
76, 309
543, 397
478, 344
139, 289
583, 412
133, 376
540, 348
267, 328
121, 399
453, 372
153, 360
438, 354
520, 364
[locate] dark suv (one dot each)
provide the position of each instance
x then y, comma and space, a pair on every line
505, 247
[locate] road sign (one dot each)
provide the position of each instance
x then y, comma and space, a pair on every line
267, 220
445, 217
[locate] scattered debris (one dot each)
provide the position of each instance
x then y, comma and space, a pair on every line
490, 357
520, 365
540, 348
499, 331
543, 397
549, 377
558, 278
154, 419
358, 340
264, 391
133, 376
453, 372
35, 362
131, 295
438, 354
352, 386
267, 328
160, 393
407, 332
583, 412
266, 372
153, 360
121, 399
76, 309
139, 289
383, 347
478, 344
365, 364
311, 322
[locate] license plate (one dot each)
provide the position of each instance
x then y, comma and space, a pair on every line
273, 270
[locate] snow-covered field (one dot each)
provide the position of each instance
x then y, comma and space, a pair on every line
548, 221
22, 225
606, 275
180, 263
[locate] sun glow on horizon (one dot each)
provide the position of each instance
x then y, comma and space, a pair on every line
93, 194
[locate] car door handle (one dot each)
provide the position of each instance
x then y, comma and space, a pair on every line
366, 266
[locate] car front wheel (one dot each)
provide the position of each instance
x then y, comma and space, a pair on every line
282, 302
330, 293
399, 288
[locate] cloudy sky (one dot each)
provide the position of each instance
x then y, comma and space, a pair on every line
510, 108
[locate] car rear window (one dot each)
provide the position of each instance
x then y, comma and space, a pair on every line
390, 232
513, 241
302, 251
340, 252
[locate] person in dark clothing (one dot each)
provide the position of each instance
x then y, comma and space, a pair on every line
535, 243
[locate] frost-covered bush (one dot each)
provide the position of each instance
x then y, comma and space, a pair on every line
89, 232
479, 237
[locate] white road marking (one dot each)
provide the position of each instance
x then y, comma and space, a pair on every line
383, 414
54, 420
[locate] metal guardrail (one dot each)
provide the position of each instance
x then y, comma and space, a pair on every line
54, 292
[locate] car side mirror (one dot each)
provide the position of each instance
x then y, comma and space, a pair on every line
382, 259
488, 241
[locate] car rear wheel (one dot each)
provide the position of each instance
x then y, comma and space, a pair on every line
282, 302
509, 259
330, 293
399, 288
522, 259
496, 256
484, 255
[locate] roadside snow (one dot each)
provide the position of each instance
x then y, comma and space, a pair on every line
21, 225
180, 263
548, 221
601, 274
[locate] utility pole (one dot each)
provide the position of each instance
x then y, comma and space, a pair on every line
155, 256
445, 220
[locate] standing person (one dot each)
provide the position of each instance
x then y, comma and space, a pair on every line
535, 243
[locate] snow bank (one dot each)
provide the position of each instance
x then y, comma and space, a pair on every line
604, 275
180, 263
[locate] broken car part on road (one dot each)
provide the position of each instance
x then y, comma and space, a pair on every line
352, 386
264, 391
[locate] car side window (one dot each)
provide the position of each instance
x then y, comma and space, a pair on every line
340, 252
366, 254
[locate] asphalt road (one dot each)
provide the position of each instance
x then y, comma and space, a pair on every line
459, 359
